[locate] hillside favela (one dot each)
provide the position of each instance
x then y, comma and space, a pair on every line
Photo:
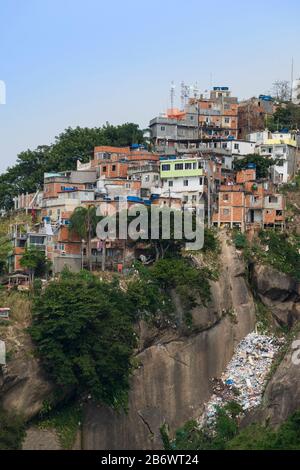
150, 272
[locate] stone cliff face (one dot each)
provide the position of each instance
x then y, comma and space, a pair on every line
173, 378
279, 292
24, 387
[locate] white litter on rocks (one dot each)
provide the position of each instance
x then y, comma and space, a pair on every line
244, 378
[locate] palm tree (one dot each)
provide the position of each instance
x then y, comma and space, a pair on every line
83, 222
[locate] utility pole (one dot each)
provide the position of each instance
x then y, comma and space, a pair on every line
292, 78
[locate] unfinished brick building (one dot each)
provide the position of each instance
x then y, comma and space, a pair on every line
248, 203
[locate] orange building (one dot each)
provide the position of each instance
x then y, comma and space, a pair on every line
113, 162
249, 203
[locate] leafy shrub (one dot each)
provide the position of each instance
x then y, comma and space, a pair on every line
283, 252
188, 281
83, 330
12, 431
257, 437
191, 437
65, 420
240, 240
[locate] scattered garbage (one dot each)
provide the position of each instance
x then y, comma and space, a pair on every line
245, 376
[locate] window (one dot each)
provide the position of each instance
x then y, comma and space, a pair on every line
194, 166
165, 167
60, 247
270, 149
226, 106
227, 120
191, 118
147, 178
224, 146
162, 128
36, 240
226, 211
225, 197
113, 168
185, 182
170, 182
188, 166
273, 199
178, 166
104, 169
127, 185
199, 165
236, 146
201, 181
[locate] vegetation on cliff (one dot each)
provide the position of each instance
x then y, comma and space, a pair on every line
191, 437
83, 330
227, 435
12, 431
277, 249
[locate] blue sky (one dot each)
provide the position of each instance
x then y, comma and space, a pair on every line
85, 62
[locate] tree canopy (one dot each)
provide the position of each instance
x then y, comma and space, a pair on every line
83, 329
262, 163
36, 262
286, 116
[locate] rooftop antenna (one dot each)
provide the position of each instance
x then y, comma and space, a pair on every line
185, 94
172, 95
196, 90
182, 95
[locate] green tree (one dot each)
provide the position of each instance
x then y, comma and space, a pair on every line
35, 261
286, 116
83, 222
262, 164
83, 330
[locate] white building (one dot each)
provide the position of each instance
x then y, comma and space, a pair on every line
287, 155
259, 137
235, 147
182, 178
296, 91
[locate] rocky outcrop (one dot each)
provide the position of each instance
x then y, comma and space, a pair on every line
172, 381
282, 394
24, 386
279, 292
